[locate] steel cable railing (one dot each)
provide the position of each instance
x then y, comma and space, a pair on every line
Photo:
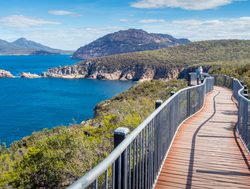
135, 163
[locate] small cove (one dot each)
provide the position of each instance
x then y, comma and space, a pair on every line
28, 105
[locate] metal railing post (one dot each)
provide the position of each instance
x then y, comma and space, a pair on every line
189, 79
245, 91
120, 176
158, 103
137, 157
188, 103
156, 138
225, 81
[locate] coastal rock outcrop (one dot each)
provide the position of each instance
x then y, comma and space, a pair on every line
29, 75
93, 70
163, 64
6, 74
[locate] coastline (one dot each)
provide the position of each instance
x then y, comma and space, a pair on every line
78, 147
51, 102
15, 55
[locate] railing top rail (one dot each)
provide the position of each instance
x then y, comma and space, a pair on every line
94, 173
241, 91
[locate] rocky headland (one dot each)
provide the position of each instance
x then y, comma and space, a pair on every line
93, 70
5, 74
163, 64
29, 75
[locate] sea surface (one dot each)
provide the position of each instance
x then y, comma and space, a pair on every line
28, 105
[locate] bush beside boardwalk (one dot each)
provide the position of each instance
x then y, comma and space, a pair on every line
239, 69
57, 157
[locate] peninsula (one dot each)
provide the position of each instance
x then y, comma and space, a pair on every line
163, 64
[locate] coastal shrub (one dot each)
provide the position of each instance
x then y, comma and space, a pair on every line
179, 56
239, 69
55, 158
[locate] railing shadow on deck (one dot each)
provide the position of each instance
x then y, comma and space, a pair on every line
193, 144
136, 162
242, 128
243, 104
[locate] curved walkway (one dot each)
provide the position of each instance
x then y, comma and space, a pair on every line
206, 152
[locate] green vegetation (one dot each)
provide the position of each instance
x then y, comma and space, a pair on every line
237, 69
231, 57
57, 157
183, 55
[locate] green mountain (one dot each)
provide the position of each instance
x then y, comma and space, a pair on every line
125, 41
23, 46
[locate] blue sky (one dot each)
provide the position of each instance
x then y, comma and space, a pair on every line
69, 24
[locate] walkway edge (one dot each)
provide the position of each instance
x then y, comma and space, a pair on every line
156, 179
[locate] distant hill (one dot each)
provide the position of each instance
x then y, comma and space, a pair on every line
42, 52
23, 46
166, 63
125, 41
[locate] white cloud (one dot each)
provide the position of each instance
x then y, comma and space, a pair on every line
151, 21
123, 20
63, 13
20, 21
73, 37
184, 4
233, 28
70, 38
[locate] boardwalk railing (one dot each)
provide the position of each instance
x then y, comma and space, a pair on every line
240, 94
136, 161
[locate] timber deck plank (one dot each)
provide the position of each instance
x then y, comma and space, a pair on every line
206, 152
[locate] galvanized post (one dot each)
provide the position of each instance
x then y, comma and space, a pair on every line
232, 84
158, 103
189, 79
120, 166
245, 92
198, 81
188, 103
224, 80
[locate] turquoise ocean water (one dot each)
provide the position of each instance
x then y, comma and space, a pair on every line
28, 105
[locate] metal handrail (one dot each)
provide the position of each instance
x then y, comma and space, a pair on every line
92, 176
243, 123
241, 91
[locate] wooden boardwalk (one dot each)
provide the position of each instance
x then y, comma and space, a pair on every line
206, 152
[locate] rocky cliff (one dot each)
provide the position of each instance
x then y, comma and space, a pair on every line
29, 75
125, 41
4, 73
93, 70
164, 64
